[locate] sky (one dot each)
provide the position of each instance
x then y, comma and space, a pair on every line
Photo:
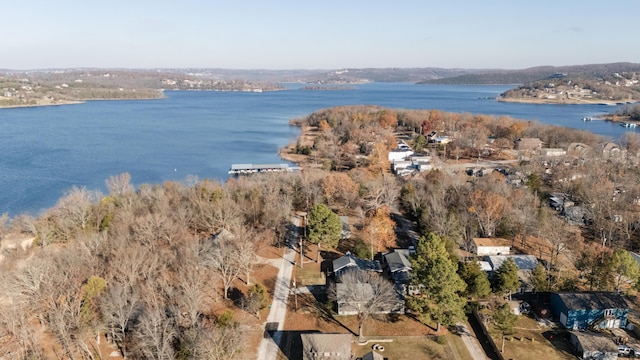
329, 34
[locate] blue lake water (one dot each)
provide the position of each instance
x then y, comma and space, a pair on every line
44, 151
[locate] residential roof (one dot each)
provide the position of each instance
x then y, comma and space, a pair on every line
319, 346
349, 260
372, 355
595, 342
485, 265
490, 242
397, 262
528, 143
523, 262
593, 300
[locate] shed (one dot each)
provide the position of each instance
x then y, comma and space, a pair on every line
319, 346
602, 310
589, 345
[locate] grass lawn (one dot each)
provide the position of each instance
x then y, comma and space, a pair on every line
531, 341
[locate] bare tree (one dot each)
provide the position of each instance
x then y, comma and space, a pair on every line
156, 331
76, 206
368, 293
120, 306
222, 257
119, 185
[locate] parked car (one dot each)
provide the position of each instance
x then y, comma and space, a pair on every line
624, 350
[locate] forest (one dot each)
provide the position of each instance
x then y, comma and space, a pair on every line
167, 270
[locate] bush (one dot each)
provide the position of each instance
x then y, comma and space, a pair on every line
440, 340
226, 318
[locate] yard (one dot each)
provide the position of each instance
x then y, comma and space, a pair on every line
533, 341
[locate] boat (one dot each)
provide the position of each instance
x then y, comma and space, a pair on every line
587, 119
629, 125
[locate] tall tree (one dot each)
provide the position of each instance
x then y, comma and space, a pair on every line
540, 278
487, 207
380, 228
441, 299
506, 278
325, 227
478, 285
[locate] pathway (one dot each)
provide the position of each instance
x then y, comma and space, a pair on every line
471, 342
269, 346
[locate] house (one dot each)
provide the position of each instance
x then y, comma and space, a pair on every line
372, 355
319, 346
579, 150
398, 266
399, 154
528, 144
341, 264
601, 310
553, 152
613, 151
490, 246
347, 306
588, 345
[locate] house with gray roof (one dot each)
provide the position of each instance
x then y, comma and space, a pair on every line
346, 305
341, 264
398, 266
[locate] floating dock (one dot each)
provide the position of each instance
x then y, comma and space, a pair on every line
241, 169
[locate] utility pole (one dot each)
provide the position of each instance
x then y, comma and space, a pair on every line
295, 293
301, 254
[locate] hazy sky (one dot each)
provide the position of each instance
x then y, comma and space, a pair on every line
328, 34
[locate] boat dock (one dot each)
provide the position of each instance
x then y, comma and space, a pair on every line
241, 169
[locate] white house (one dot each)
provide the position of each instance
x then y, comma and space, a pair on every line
399, 154
490, 246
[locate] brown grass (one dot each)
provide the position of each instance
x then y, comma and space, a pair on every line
521, 346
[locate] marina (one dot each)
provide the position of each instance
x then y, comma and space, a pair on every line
242, 169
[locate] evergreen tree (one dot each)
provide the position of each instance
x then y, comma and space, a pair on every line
539, 278
478, 286
325, 228
504, 319
506, 278
441, 299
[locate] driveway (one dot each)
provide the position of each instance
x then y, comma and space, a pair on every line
471, 342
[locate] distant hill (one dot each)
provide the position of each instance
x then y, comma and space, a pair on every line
517, 77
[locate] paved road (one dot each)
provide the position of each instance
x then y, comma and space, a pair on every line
269, 346
471, 342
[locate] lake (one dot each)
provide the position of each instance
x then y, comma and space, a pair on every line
44, 151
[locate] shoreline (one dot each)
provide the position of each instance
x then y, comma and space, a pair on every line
564, 101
